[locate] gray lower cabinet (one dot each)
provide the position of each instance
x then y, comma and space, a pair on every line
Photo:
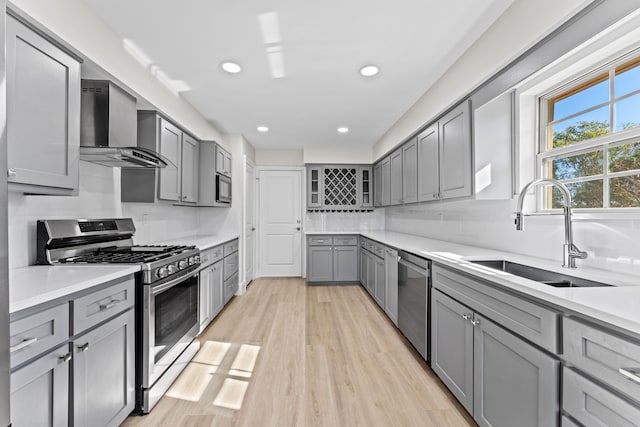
612, 362
452, 346
40, 391
230, 268
43, 113
211, 293
103, 373
373, 272
333, 259
379, 289
515, 384
500, 378
391, 284
320, 264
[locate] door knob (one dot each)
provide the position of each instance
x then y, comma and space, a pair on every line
298, 228
253, 229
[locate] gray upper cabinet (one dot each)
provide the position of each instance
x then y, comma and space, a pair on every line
43, 113
206, 185
314, 187
178, 182
382, 182
395, 173
428, 164
410, 172
339, 187
455, 152
365, 180
169, 145
223, 161
189, 170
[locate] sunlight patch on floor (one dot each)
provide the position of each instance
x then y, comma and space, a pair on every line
245, 359
231, 394
212, 352
192, 382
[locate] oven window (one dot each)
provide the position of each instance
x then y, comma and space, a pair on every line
176, 312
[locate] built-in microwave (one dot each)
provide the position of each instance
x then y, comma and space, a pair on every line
223, 190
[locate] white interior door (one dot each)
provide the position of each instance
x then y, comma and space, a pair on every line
280, 215
250, 221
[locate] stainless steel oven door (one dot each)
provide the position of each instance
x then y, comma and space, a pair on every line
223, 189
169, 324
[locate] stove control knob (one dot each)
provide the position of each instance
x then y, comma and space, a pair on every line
162, 272
192, 260
183, 264
197, 257
172, 268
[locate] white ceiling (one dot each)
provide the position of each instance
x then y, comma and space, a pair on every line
324, 44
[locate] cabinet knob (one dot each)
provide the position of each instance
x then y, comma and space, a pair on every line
11, 173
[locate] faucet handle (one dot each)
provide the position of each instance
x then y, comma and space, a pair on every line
518, 221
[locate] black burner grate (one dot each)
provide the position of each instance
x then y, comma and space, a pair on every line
127, 254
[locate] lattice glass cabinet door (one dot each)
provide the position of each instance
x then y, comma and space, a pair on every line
366, 186
314, 191
340, 187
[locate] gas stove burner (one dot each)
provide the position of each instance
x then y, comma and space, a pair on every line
127, 254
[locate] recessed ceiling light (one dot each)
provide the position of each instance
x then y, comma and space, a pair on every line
231, 67
263, 129
343, 129
369, 70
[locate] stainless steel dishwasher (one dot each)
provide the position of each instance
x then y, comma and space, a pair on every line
413, 294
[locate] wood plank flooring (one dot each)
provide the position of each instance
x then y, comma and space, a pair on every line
287, 354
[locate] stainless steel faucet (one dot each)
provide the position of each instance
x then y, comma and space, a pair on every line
569, 251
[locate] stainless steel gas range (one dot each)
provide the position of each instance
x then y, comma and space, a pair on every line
166, 292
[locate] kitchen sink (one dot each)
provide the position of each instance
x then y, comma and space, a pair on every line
550, 278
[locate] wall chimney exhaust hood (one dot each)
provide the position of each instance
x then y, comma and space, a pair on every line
109, 127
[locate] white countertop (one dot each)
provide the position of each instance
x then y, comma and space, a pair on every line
202, 241
33, 285
618, 305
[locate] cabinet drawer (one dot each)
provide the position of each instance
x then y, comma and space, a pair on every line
345, 240
593, 405
320, 240
531, 321
602, 355
211, 255
41, 331
98, 306
230, 265
230, 247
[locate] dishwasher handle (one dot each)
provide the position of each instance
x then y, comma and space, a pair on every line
413, 266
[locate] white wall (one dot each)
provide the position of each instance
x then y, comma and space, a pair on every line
520, 27
73, 22
279, 157
338, 154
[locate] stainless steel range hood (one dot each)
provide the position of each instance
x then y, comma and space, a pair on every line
108, 128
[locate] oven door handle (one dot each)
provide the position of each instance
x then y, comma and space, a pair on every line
158, 289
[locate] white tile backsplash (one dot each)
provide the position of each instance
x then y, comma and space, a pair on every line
98, 197
612, 243
344, 221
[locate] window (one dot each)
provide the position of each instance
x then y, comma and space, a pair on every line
590, 138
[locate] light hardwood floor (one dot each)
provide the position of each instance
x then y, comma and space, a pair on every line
287, 354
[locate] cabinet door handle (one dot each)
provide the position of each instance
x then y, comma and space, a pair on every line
109, 305
11, 173
84, 347
631, 373
24, 344
475, 322
466, 317
65, 358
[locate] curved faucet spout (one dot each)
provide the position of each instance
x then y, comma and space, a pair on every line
570, 251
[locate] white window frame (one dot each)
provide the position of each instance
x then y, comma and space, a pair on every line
603, 143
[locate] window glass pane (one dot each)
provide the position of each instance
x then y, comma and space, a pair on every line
628, 113
624, 191
624, 157
586, 194
580, 128
586, 164
626, 81
595, 93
